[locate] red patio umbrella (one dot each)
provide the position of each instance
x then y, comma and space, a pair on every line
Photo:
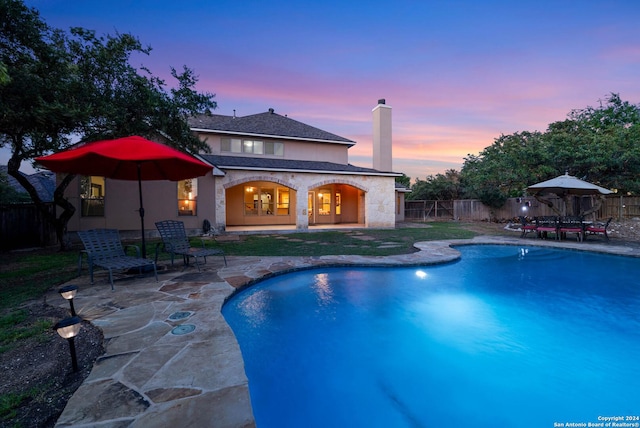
128, 158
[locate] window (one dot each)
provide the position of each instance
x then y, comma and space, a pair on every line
324, 202
256, 147
92, 192
232, 145
266, 201
283, 202
276, 149
187, 196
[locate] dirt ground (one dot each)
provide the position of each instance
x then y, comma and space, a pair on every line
42, 369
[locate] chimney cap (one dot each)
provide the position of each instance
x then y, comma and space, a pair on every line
382, 101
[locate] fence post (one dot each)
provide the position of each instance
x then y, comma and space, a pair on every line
621, 208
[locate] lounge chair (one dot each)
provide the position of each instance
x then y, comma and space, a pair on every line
104, 248
546, 225
526, 226
598, 229
176, 242
571, 224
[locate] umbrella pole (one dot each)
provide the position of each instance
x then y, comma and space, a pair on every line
144, 245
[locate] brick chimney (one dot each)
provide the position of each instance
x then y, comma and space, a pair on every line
382, 154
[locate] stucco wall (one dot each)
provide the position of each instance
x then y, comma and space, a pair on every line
121, 200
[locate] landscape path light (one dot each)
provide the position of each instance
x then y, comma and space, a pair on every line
68, 292
68, 329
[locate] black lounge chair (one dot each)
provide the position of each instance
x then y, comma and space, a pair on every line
104, 248
176, 242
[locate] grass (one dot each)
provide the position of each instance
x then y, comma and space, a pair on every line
29, 275
12, 329
10, 403
25, 276
365, 242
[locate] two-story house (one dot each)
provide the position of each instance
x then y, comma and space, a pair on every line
267, 170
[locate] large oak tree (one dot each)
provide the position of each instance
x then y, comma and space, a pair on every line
598, 144
59, 88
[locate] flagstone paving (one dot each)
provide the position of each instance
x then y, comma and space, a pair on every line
172, 360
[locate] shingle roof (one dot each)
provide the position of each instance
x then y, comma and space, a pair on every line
44, 182
264, 124
240, 162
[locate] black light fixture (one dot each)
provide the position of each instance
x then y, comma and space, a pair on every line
68, 292
68, 329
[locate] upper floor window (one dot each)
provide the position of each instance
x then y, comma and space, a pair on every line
92, 190
187, 196
256, 147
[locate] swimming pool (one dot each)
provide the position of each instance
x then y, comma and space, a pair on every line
507, 336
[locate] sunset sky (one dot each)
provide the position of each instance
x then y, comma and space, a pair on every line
457, 74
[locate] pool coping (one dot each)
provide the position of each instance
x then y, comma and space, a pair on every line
151, 377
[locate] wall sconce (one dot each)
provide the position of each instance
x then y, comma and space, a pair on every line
68, 329
68, 292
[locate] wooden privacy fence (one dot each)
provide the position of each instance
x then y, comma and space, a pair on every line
24, 226
618, 207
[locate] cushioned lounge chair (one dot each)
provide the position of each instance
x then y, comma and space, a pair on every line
176, 242
598, 229
104, 248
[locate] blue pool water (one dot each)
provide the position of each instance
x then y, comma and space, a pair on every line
507, 336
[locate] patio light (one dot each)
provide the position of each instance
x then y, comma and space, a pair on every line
68, 292
68, 329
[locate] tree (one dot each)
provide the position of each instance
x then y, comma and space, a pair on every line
439, 187
601, 145
404, 181
61, 85
608, 144
504, 169
9, 195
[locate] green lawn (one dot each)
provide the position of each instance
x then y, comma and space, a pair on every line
365, 242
